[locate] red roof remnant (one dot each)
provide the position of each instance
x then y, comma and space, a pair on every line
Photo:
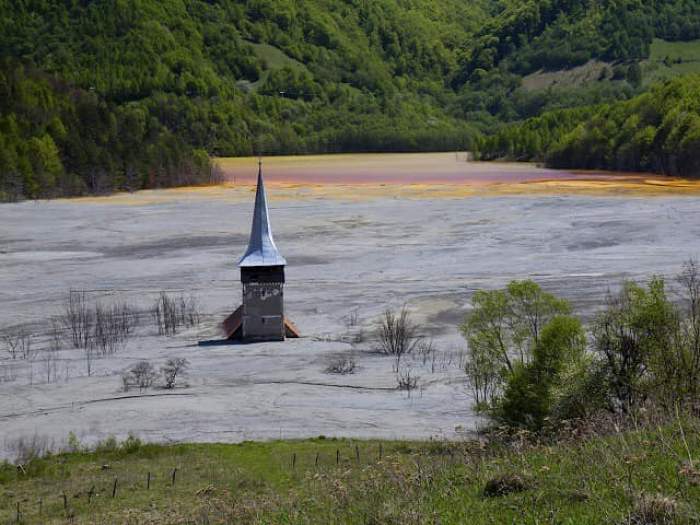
290, 329
233, 324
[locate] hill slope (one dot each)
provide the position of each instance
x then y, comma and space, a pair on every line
647, 476
133, 93
656, 131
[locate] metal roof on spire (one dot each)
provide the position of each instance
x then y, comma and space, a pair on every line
261, 246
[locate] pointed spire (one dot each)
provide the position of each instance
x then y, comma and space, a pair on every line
261, 246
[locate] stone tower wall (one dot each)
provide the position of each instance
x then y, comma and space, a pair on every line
263, 311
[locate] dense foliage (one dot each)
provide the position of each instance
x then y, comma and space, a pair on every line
229, 78
237, 77
530, 363
58, 140
656, 131
555, 34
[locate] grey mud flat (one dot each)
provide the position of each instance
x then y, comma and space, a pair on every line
343, 257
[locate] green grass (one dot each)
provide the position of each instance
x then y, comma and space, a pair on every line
671, 59
273, 58
666, 60
598, 480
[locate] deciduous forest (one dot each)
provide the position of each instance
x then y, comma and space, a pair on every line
127, 94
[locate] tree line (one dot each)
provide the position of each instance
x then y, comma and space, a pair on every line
657, 131
59, 140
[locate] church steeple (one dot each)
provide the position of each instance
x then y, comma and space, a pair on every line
262, 250
261, 316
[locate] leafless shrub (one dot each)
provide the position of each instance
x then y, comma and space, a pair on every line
654, 510
170, 313
689, 281
352, 319
50, 355
172, 369
18, 343
56, 334
165, 314
88, 353
50, 362
112, 327
427, 353
397, 334
104, 327
8, 373
141, 375
405, 380
484, 377
342, 366
78, 319
26, 449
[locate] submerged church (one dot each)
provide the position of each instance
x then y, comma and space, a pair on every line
261, 316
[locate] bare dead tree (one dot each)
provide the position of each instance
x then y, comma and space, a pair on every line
172, 369
189, 311
689, 281
352, 319
397, 334
406, 380
141, 375
10, 345
78, 319
8, 373
170, 313
49, 360
18, 343
26, 449
88, 353
113, 326
165, 314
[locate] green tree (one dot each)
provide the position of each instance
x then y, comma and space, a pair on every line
502, 330
636, 337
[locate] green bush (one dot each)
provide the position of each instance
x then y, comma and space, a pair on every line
529, 363
534, 388
505, 332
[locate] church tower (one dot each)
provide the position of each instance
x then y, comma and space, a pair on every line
261, 316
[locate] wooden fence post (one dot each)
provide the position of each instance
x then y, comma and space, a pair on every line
337, 456
380, 451
173, 478
294, 460
357, 453
148, 481
114, 488
316, 461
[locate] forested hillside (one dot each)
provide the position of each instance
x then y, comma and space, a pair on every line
657, 131
126, 94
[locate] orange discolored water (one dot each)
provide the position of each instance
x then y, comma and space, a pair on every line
436, 172
407, 176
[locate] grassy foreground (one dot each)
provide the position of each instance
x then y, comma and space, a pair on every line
634, 477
